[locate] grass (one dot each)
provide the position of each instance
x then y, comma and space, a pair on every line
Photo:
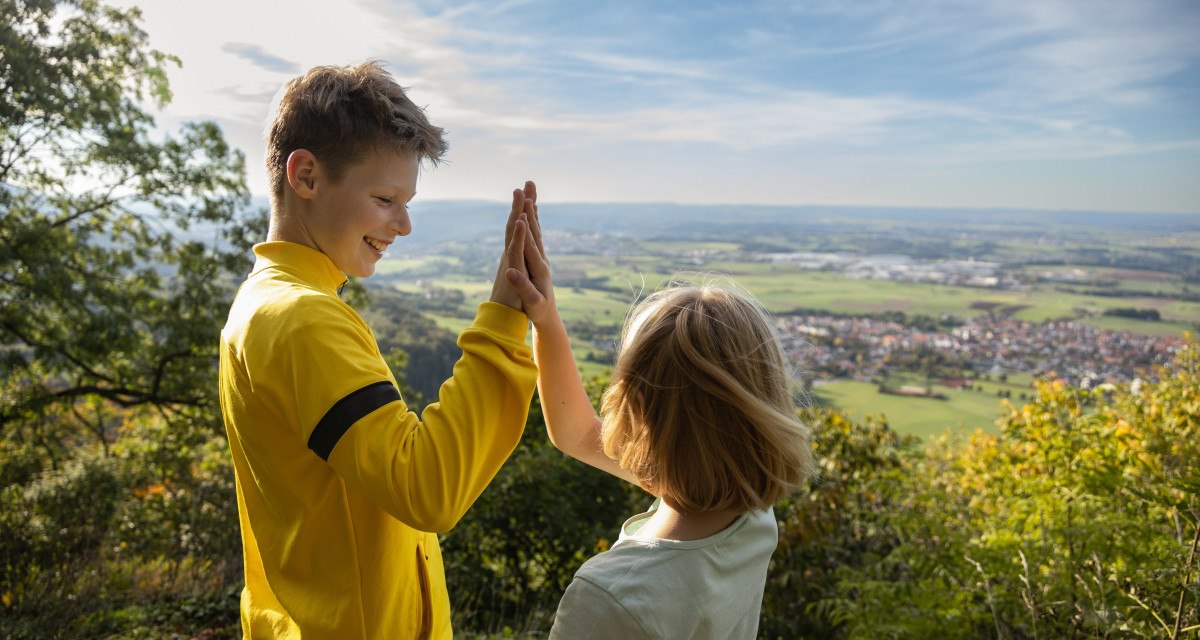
599, 307
687, 245
784, 288
417, 267
1165, 329
923, 417
453, 324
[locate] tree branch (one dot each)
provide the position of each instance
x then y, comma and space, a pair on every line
105, 202
160, 370
1187, 577
123, 396
11, 328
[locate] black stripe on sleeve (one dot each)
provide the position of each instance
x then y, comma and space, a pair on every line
346, 412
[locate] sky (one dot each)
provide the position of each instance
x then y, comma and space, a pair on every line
1033, 104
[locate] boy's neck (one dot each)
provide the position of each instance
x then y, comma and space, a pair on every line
283, 226
671, 523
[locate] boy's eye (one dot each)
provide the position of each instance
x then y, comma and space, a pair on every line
383, 199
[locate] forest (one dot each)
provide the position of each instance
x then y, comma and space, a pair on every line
1078, 517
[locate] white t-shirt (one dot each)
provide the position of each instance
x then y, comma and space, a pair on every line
659, 589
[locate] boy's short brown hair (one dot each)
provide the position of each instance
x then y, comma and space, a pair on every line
341, 114
700, 407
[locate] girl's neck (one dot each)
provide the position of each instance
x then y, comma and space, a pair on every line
671, 523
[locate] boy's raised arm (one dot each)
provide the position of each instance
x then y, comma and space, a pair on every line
571, 420
427, 470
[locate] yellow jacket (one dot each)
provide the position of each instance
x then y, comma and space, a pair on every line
340, 487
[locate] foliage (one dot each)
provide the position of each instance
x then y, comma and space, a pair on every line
838, 521
514, 553
1078, 520
152, 522
103, 294
1151, 315
429, 350
119, 246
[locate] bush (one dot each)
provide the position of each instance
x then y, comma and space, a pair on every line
1079, 519
104, 539
512, 556
837, 521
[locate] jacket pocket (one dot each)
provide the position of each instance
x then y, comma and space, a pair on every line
426, 629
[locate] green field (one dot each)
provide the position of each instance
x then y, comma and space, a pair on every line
783, 289
962, 410
916, 416
599, 289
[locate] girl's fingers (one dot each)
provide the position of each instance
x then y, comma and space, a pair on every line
535, 258
535, 223
528, 293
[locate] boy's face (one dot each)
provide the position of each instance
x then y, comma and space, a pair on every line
354, 219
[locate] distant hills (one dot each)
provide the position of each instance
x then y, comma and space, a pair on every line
436, 222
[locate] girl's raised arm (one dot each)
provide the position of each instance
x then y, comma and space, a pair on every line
571, 421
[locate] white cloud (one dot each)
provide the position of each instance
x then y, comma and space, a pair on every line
1019, 80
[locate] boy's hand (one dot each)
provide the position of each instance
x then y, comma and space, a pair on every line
524, 206
533, 283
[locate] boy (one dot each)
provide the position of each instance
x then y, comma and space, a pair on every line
340, 488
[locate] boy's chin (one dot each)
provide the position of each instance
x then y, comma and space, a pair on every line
358, 270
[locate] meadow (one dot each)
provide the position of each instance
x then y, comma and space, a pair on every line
614, 283
596, 291
961, 410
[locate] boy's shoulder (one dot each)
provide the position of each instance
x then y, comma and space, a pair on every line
274, 306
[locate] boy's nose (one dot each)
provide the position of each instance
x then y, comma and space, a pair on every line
402, 225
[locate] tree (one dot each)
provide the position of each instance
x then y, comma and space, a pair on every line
107, 288
119, 249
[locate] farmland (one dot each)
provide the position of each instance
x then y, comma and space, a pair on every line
1027, 273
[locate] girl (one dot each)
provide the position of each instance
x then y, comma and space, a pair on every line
699, 414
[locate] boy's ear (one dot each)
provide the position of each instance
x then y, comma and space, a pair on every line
302, 172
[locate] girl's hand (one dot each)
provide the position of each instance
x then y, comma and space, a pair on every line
524, 206
533, 283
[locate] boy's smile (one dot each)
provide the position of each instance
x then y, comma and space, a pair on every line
378, 245
354, 218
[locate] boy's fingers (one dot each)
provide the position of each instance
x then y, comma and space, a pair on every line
535, 222
518, 207
516, 246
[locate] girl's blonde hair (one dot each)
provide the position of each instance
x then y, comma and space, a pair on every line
700, 407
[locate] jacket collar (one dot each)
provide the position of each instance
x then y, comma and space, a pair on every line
306, 263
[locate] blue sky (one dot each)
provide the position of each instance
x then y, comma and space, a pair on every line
1091, 105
